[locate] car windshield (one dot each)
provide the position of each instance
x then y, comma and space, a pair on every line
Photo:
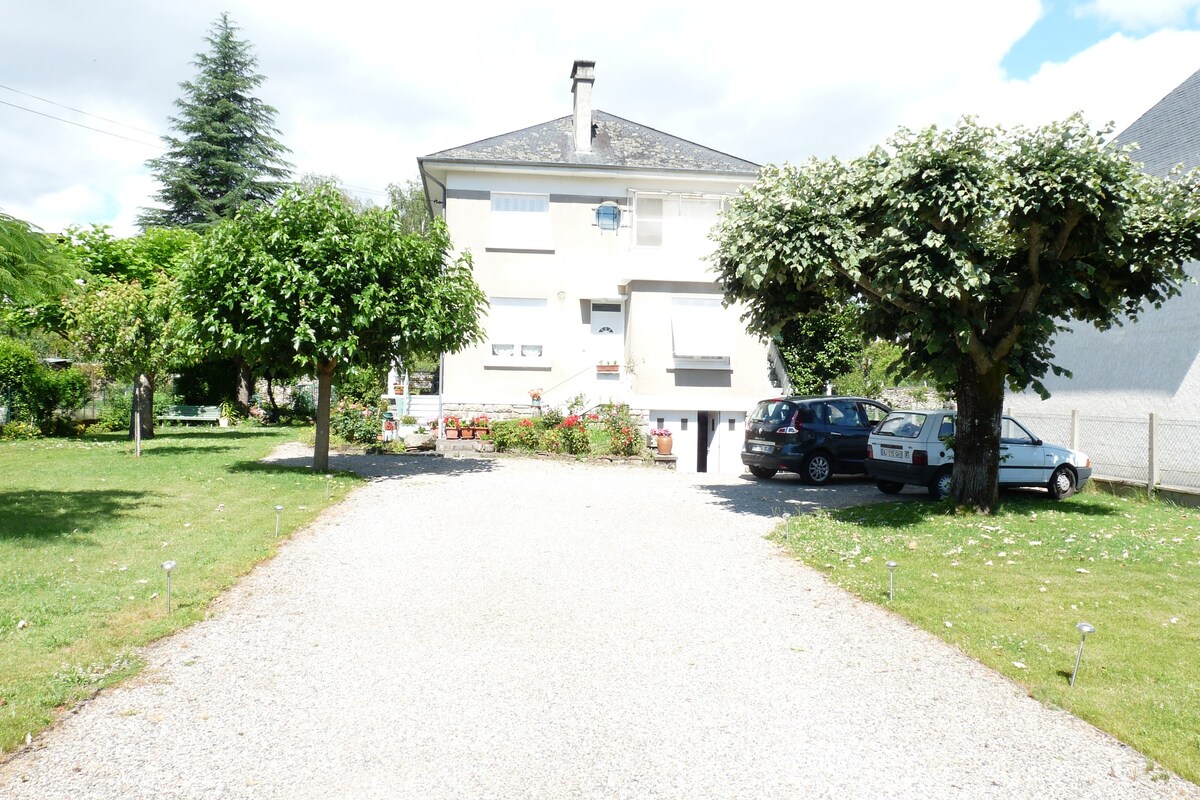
903, 424
773, 412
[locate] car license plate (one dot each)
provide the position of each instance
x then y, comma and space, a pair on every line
891, 451
761, 448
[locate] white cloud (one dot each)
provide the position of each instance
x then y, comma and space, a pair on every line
364, 89
1137, 15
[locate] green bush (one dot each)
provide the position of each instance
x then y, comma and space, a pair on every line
19, 430
34, 393
117, 412
573, 435
354, 423
361, 385
623, 431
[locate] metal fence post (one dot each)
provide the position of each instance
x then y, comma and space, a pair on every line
1075, 429
1152, 476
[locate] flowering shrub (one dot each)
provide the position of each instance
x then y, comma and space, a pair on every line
621, 429
354, 423
573, 436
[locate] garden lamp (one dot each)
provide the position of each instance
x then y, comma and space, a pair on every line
1084, 629
891, 565
168, 566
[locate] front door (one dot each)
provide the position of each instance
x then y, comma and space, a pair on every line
608, 333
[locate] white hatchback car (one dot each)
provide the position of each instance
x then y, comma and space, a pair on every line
909, 448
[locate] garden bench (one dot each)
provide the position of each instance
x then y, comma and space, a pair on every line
185, 414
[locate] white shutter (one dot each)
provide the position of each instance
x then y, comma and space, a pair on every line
520, 222
700, 332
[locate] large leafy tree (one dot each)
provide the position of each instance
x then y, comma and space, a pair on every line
971, 246
408, 201
820, 347
31, 264
225, 153
312, 284
128, 316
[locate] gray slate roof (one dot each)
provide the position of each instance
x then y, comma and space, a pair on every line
616, 142
1169, 133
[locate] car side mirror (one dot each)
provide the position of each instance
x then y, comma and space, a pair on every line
1037, 442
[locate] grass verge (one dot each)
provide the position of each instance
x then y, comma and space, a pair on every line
1009, 590
85, 529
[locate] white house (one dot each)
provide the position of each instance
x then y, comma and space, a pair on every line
589, 237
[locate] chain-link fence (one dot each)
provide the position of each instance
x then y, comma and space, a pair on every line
1145, 449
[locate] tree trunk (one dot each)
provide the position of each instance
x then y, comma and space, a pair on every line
977, 437
325, 370
143, 400
271, 398
245, 386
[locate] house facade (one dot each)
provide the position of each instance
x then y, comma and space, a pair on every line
589, 235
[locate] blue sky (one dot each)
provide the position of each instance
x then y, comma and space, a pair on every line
358, 101
1066, 29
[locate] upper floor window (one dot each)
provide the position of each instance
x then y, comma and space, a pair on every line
675, 221
520, 222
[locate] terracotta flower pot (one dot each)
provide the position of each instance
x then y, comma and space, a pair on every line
451, 433
664, 444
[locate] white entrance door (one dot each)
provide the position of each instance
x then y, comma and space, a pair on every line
608, 332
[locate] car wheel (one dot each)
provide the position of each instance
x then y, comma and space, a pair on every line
817, 469
939, 487
763, 472
1062, 483
889, 487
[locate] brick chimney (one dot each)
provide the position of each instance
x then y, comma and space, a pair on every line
583, 75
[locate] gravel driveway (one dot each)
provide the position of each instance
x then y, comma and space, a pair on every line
523, 629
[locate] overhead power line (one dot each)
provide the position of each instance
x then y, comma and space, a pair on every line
81, 125
78, 110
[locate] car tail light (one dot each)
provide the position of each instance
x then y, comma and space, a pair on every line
920, 458
792, 426
870, 452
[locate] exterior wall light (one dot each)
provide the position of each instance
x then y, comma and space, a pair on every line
608, 216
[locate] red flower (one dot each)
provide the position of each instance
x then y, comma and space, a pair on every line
526, 423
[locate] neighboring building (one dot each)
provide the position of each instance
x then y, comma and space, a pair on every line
1152, 365
589, 237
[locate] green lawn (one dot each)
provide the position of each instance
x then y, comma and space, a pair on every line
1009, 590
85, 529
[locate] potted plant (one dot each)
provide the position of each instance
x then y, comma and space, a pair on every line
607, 367
228, 413
535, 397
481, 426
663, 440
453, 427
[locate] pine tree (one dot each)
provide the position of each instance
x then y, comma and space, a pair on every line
226, 153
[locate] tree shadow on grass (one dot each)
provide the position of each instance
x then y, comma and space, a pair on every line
1014, 501
856, 500
37, 516
372, 466
177, 449
212, 432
